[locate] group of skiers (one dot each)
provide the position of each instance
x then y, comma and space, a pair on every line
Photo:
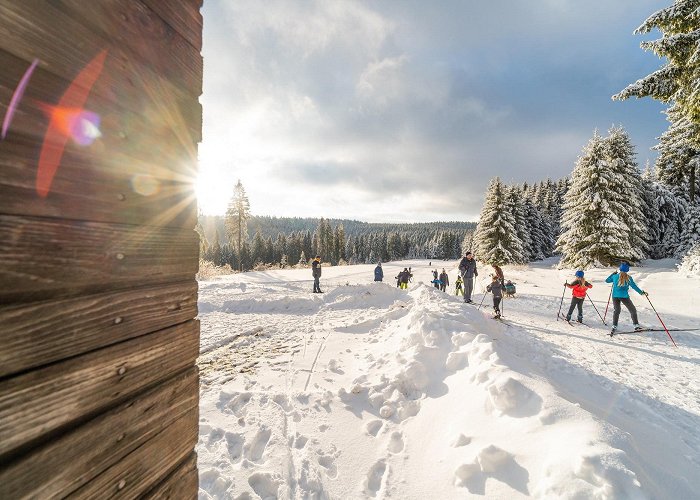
621, 283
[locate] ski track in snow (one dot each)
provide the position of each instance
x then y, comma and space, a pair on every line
368, 391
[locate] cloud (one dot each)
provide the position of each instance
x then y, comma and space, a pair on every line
367, 109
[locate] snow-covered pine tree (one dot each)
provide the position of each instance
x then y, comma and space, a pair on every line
495, 239
678, 163
691, 231
237, 215
594, 223
691, 261
652, 215
541, 241
677, 81
516, 205
621, 158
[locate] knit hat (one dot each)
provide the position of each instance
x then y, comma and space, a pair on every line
579, 274
624, 267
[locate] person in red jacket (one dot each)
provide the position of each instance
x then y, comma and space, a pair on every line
578, 294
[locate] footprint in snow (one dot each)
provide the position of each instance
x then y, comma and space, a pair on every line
373, 482
492, 462
234, 445
395, 443
264, 485
254, 450
373, 427
328, 463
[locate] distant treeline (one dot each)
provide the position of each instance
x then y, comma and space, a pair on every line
293, 240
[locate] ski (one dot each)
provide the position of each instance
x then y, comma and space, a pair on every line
564, 318
657, 330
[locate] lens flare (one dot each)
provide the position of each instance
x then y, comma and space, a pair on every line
145, 185
16, 97
67, 119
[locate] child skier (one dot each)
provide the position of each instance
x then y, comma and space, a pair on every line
458, 286
578, 294
497, 289
621, 284
436, 280
444, 280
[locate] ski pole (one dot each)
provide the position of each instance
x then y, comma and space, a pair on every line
562, 302
596, 309
482, 301
662, 322
606, 307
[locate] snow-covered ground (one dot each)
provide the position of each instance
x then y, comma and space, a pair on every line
368, 391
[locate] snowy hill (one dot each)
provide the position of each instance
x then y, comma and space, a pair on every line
368, 391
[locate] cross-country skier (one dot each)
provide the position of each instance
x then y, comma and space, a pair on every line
444, 280
620, 294
378, 272
496, 288
458, 286
316, 273
578, 294
467, 268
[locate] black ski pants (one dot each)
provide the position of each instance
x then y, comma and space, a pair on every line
576, 302
317, 284
630, 307
496, 303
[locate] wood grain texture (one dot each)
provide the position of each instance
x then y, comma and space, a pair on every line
39, 333
41, 402
48, 258
147, 466
183, 483
30, 29
183, 16
70, 461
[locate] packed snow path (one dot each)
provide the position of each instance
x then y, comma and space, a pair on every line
368, 391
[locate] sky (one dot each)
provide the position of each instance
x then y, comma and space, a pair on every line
402, 111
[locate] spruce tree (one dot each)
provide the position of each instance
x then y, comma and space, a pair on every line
691, 231
596, 214
237, 215
495, 239
676, 82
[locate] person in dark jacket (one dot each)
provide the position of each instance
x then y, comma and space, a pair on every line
622, 282
578, 294
378, 272
497, 289
316, 273
467, 268
436, 280
444, 280
403, 277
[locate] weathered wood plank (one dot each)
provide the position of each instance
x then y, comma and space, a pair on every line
39, 333
47, 258
183, 483
157, 127
67, 463
148, 465
135, 28
41, 402
28, 30
185, 17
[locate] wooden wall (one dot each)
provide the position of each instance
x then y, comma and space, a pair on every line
98, 298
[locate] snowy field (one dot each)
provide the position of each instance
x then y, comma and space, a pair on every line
368, 391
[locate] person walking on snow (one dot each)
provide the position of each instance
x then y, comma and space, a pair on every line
496, 287
436, 280
458, 286
403, 278
621, 284
316, 273
467, 268
378, 272
444, 280
578, 294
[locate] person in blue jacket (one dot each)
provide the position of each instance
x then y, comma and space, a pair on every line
621, 283
378, 272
